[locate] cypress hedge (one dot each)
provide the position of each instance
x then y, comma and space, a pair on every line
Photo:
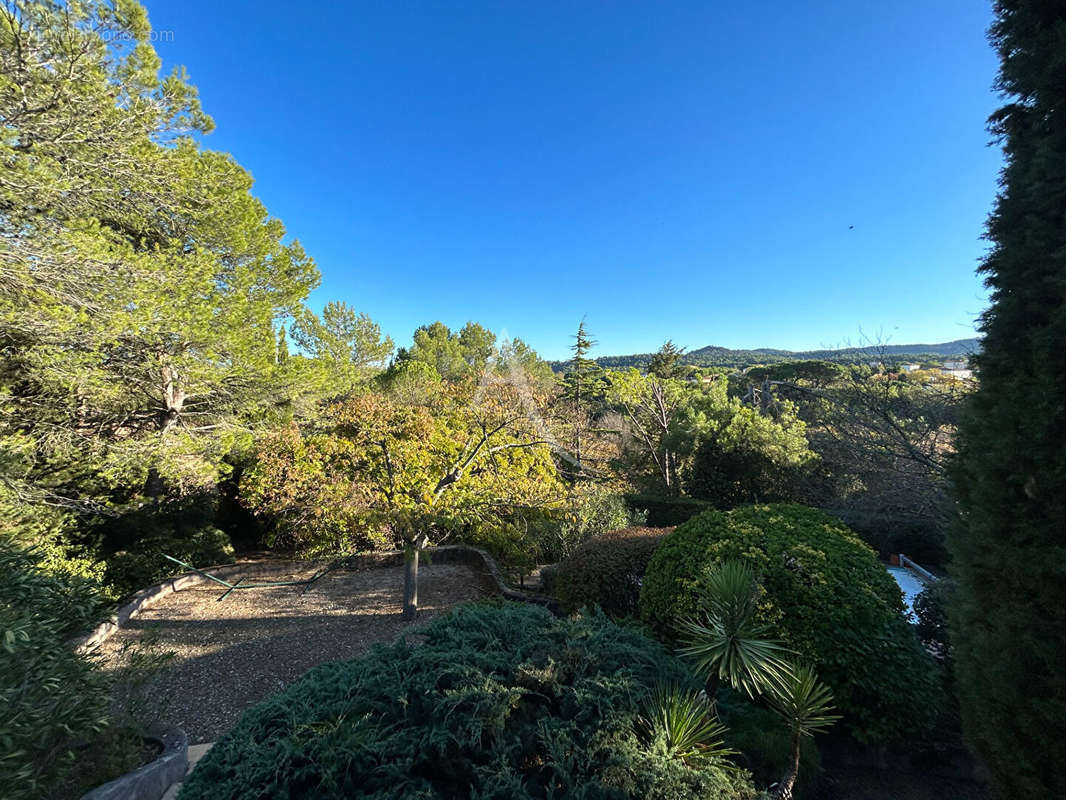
1008, 551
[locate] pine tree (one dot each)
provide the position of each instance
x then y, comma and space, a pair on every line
584, 385
667, 362
1009, 549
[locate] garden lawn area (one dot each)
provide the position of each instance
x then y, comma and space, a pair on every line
231, 654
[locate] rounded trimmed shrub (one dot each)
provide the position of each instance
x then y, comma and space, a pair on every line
499, 701
826, 595
607, 571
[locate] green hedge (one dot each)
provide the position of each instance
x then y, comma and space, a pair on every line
666, 512
607, 571
498, 701
826, 595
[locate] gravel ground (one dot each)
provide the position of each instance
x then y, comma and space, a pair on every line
229, 655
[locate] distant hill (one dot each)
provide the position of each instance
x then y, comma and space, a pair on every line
712, 356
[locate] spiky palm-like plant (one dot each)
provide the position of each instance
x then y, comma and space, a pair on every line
727, 645
681, 724
806, 706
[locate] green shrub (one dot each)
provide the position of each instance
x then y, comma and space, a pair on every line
607, 571
510, 544
499, 701
930, 612
665, 512
827, 597
549, 578
52, 701
752, 457
587, 515
135, 541
142, 565
50, 533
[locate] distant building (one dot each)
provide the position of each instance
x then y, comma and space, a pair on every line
911, 367
957, 369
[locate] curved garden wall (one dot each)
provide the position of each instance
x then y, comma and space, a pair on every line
457, 553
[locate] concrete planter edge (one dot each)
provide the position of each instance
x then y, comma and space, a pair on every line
151, 781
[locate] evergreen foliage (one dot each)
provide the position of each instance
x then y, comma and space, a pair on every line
500, 701
141, 280
666, 363
607, 571
827, 597
666, 512
52, 702
1009, 549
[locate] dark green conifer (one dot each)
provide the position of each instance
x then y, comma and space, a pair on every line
1009, 548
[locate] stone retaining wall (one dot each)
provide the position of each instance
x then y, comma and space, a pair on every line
151, 781
456, 553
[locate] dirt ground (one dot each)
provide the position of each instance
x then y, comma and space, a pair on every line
230, 654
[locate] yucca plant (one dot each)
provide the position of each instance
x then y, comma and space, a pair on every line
806, 706
681, 724
727, 645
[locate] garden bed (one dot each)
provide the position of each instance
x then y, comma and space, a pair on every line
230, 654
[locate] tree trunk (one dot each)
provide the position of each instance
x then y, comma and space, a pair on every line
173, 398
784, 789
410, 585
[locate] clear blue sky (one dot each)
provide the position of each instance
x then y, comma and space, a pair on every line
679, 169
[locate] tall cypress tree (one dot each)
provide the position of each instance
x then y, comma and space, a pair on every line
1009, 548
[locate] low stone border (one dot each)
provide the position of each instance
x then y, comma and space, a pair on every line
461, 553
151, 781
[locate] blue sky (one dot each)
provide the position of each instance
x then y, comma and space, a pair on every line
669, 170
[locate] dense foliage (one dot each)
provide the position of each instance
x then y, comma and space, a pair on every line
826, 595
931, 618
379, 471
52, 702
747, 457
667, 512
607, 571
1009, 621
694, 437
498, 701
763, 744
141, 279
164, 388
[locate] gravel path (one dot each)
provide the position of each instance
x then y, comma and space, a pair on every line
229, 655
